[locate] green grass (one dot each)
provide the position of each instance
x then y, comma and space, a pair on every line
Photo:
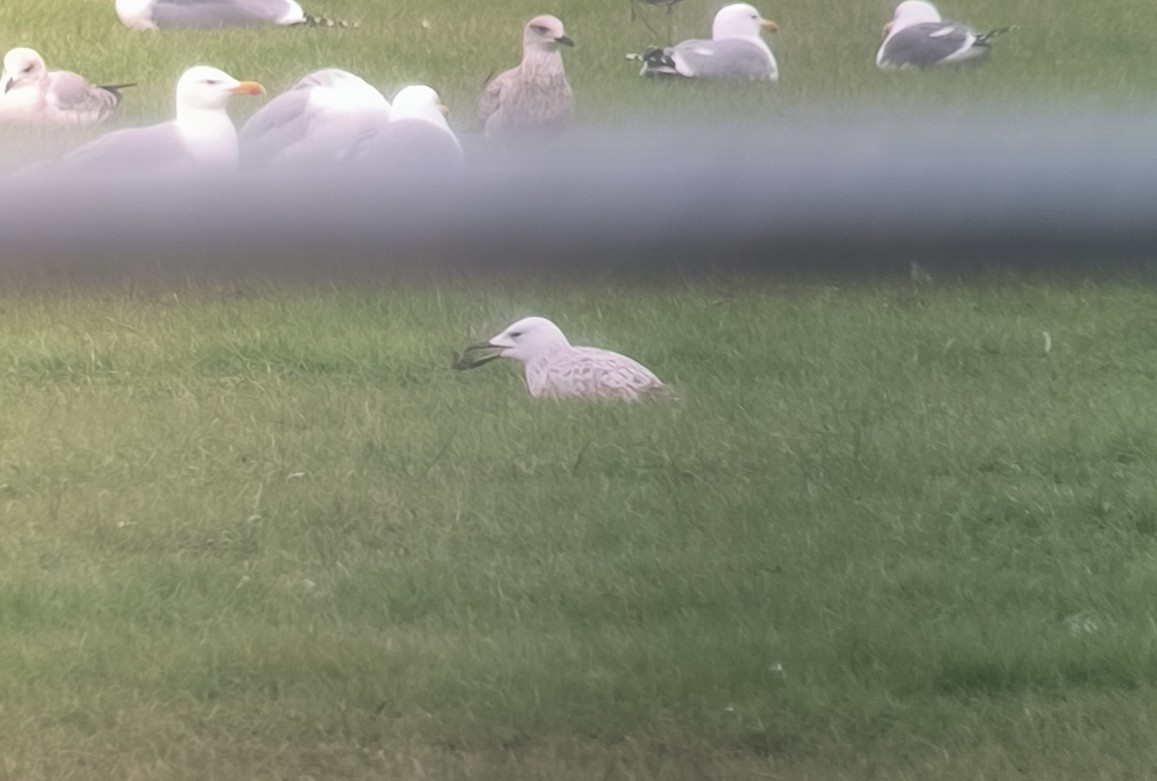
826, 48
263, 531
877, 533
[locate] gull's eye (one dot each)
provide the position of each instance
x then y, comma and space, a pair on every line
212, 82
27, 69
539, 29
516, 334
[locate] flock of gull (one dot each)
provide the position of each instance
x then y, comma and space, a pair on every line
332, 116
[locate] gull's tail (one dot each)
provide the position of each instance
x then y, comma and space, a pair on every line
115, 89
656, 62
325, 21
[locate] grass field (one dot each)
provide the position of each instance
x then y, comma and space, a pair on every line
258, 529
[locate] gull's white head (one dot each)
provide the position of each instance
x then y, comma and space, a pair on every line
419, 102
528, 338
544, 33
911, 12
205, 88
22, 68
738, 21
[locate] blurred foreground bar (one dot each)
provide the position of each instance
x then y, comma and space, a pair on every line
837, 194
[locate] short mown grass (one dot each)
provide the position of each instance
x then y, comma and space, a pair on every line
879, 531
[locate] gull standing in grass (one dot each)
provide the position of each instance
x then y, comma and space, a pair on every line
917, 37
417, 134
670, 4
555, 369
202, 137
30, 94
535, 98
321, 120
162, 14
735, 51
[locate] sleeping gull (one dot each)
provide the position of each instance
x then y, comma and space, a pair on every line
30, 94
201, 137
417, 135
319, 121
159, 14
554, 369
735, 51
917, 37
535, 97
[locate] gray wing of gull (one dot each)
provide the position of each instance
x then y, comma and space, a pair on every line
135, 150
415, 144
279, 124
70, 93
924, 45
291, 129
217, 13
726, 59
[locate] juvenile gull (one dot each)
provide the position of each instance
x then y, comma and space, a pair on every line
417, 134
319, 121
917, 37
535, 97
160, 14
202, 137
554, 369
735, 51
30, 94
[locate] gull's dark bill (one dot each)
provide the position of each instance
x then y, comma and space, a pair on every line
468, 360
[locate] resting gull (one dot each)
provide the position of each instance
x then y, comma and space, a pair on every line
417, 135
163, 14
735, 51
30, 94
202, 137
535, 97
319, 121
917, 37
554, 369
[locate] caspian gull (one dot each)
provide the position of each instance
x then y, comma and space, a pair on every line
735, 51
535, 97
202, 137
163, 14
554, 369
917, 37
417, 135
30, 94
321, 120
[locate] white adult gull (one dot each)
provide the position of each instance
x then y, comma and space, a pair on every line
917, 37
30, 94
736, 50
555, 369
321, 120
163, 14
202, 137
534, 98
417, 135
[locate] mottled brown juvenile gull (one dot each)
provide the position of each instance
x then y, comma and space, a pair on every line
202, 137
30, 94
417, 135
735, 51
534, 98
163, 14
554, 369
319, 121
917, 37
